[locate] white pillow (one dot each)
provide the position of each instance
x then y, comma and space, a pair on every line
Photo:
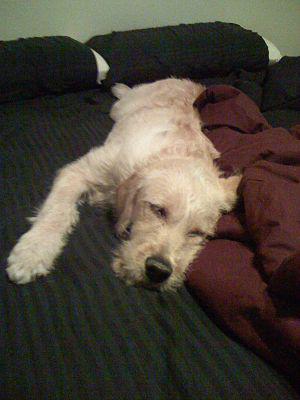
102, 67
274, 53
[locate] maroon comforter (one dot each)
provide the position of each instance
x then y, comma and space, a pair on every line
248, 277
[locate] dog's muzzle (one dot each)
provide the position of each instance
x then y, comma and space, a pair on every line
158, 269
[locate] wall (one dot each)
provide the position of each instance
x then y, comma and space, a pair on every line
277, 20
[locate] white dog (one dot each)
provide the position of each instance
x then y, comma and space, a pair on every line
157, 169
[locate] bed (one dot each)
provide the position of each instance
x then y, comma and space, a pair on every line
80, 333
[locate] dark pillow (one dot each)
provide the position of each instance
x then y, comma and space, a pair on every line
50, 65
249, 83
195, 51
285, 118
282, 86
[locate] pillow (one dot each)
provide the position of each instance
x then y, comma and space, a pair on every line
50, 65
102, 67
196, 51
274, 53
249, 83
282, 85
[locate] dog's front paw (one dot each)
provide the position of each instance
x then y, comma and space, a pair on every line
31, 257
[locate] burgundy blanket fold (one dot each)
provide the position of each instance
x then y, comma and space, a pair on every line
248, 277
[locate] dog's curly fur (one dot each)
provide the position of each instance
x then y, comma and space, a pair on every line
157, 169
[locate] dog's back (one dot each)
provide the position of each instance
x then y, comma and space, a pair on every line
175, 93
157, 118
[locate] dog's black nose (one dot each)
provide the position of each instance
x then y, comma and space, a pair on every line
157, 269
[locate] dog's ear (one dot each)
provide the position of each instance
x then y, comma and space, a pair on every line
230, 186
119, 90
126, 201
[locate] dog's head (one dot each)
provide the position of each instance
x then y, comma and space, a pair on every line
167, 212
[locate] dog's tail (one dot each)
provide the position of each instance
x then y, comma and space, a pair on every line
119, 90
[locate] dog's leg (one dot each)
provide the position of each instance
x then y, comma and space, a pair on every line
37, 249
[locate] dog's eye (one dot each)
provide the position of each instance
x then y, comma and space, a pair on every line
126, 233
158, 211
196, 233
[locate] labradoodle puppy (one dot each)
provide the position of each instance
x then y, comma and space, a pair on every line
157, 170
